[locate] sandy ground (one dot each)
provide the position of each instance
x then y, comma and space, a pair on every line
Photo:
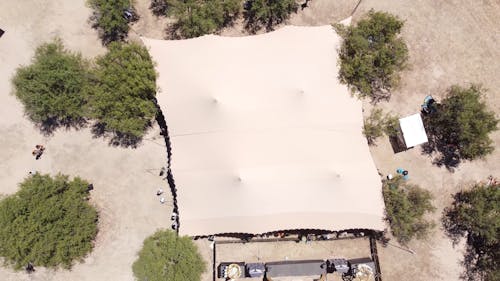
291, 250
450, 42
125, 180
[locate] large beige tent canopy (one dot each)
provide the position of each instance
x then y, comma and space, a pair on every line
264, 138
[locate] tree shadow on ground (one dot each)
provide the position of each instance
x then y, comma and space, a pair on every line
49, 126
115, 138
397, 144
471, 272
106, 38
475, 247
159, 7
254, 23
448, 153
172, 32
452, 230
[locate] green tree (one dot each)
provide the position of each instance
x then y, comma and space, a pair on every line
196, 17
123, 99
48, 222
377, 124
267, 13
108, 17
474, 214
53, 88
165, 256
372, 55
405, 207
459, 128
159, 7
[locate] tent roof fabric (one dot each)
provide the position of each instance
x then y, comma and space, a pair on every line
413, 130
264, 137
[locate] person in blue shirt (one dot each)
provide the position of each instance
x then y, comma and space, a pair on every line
403, 172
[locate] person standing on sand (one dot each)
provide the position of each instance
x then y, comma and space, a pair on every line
162, 171
39, 149
159, 192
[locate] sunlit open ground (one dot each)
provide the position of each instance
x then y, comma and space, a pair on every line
449, 41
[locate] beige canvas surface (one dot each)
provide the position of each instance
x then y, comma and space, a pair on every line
264, 137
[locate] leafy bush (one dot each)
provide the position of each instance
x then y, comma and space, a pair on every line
123, 98
377, 124
267, 13
59, 88
159, 7
108, 17
405, 207
53, 88
474, 214
459, 127
165, 256
372, 55
391, 125
47, 222
196, 18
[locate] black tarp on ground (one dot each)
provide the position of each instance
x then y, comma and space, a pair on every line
1, 32
255, 270
295, 268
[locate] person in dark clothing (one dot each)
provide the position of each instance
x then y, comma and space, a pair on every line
30, 268
304, 5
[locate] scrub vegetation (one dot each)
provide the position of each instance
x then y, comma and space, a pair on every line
459, 126
166, 256
54, 88
378, 124
122, 99
110, 20
405, 206
59, 88
474, 214
196, 17
372, 55
268, 13
159, 7
48, 222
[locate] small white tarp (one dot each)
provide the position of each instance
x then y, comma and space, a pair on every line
413, 130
